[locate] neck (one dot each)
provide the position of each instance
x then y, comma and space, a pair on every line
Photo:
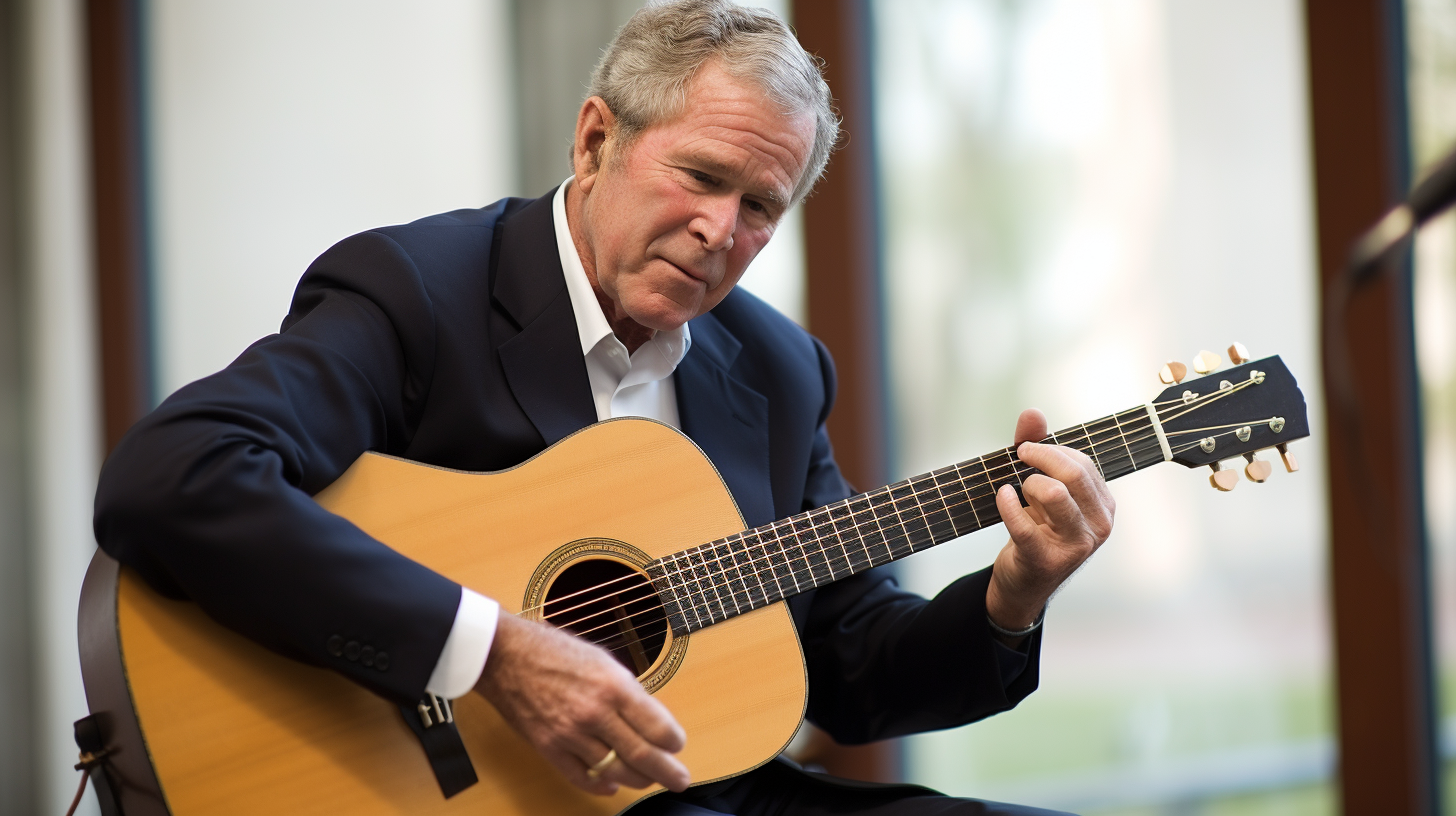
632, 334
718, 580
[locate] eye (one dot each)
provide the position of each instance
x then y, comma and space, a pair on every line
755, 206
702, 178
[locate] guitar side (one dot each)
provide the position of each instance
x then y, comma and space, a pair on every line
233, 728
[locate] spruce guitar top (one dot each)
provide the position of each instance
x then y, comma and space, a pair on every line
623, 534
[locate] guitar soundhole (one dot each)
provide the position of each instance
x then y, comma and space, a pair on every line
613, 605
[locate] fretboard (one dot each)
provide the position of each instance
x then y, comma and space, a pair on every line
712, 582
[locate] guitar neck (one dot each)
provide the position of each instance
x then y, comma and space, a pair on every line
712, 582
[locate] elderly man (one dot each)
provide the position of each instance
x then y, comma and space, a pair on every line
474, 339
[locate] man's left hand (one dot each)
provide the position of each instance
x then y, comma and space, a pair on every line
1069, 516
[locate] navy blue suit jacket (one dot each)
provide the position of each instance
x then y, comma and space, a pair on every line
452, 341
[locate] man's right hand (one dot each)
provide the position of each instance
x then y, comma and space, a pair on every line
574, 703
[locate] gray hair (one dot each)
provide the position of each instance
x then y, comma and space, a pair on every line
645, 72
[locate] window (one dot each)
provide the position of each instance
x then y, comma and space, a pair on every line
1075, 193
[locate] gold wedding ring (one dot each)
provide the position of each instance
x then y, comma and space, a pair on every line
595, 772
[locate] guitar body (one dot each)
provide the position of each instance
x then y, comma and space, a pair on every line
232, 728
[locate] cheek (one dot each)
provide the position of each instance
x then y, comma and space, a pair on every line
745, 249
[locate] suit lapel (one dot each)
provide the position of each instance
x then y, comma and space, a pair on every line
543, 363
726, 418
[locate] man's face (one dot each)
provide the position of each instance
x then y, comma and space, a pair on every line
672, 221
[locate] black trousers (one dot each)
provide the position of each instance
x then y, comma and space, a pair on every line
782, 789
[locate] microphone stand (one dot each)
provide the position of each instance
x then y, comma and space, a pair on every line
1384, 247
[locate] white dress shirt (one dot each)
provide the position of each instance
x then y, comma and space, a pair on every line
639, 384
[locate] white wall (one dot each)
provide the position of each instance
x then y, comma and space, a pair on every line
279, 127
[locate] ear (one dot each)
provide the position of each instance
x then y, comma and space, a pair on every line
594, 127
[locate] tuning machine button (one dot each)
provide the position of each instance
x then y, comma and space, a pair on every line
1257, 470
1291, 464
1173, 372
1206, 362
1238, 355
1223, 480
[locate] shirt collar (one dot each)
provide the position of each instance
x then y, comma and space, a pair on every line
591, 323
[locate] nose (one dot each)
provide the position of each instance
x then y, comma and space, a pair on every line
715, 222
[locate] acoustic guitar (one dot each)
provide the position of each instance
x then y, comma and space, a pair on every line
623, 534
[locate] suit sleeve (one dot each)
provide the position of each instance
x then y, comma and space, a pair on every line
208, 498
883, 662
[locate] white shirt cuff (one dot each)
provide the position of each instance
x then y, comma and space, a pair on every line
463, 658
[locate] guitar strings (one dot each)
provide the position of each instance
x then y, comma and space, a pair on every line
652, 593
721, 570
1087, 436
831, 561
656, 614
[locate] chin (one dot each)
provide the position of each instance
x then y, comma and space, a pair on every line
657, 318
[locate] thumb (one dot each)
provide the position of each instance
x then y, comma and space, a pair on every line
1018, 522
1031, 426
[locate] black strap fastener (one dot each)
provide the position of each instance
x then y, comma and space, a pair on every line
433, 722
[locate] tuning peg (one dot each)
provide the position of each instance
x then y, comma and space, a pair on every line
1290, 463
1257, 470
1206, 361
1238, 354
1224, 480
1173, 372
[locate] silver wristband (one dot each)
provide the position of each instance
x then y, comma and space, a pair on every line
1004, 632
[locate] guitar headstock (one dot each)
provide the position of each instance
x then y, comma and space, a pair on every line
1232, 414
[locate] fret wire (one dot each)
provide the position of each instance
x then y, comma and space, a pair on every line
835, 536
852, 529
698, 564
788, 565
810, 552
763, 589
916, 494
684, 608
733, 553
887, 537
801, 526
903, 491
868, 534
941, 516
785, 562
957, 492
714, 585
1092, 450
898, 530
719, 552
1125, 446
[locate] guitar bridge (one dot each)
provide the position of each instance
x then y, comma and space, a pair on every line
437, 705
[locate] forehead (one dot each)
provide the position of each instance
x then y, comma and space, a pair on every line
733, 129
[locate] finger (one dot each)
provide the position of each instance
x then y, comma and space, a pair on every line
645, 758
573, 766
650, 718
1031, 426
1064, 465
621, 771
1051, 503
1018, 523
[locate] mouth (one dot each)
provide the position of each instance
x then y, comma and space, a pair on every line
700, 277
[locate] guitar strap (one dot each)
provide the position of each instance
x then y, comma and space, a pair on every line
433, 722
